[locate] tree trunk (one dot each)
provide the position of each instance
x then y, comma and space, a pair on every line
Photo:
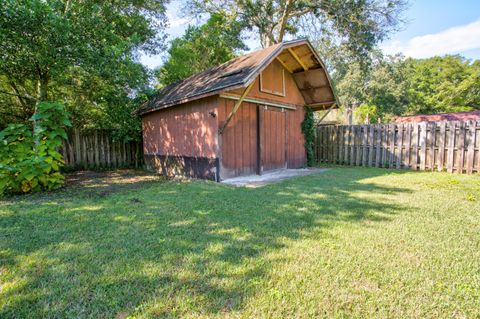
284, 20
42, 87
42, 95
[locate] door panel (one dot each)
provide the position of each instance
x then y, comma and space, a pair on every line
273, 138
239, 139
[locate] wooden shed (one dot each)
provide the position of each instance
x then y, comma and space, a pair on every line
240, 118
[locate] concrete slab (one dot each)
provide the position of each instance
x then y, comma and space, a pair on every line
269, 177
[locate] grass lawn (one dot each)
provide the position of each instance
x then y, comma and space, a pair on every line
348, 242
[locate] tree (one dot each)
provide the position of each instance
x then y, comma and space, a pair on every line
48, 47
200, 48
442, 84
359, 24
394, 86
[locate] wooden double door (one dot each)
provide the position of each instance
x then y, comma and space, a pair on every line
254, 141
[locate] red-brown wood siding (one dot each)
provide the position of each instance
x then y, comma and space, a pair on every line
273, 138
188, 130
239, 139
292, 93
184, 130
296, 155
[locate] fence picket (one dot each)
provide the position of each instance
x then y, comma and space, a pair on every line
352, 145
441, 147
461, 147
347, 145
472, 127
384, 146
95, 148
419, 146
340, 144
398, 158
365, 144
431, 139
414, 161
451, 146
408, 146
335, 143
371, 143
378, 146
423, 145
391, 148
358, 138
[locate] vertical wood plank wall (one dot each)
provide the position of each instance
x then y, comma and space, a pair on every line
97, 149
451, 146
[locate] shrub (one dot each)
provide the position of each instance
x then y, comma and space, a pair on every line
308, 129
31, 161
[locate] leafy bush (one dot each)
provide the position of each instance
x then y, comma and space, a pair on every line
308, 129
31, 161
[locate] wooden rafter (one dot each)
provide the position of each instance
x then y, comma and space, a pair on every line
236, 107
297, 58
284, 65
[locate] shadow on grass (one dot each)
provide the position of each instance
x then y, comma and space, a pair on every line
168, 249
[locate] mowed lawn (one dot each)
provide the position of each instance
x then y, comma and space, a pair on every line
348, 242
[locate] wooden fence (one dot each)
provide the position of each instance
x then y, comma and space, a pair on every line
450, 146
96, 149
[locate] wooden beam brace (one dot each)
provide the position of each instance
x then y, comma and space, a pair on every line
326, 113
296, 57
236, 107
259, 101
284, 65
321, 104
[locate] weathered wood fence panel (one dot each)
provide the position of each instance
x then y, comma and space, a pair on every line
96, 149
451, 146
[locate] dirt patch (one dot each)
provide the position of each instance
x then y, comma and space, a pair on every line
106, 183
92, 184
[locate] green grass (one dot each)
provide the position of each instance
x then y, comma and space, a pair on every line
344, 243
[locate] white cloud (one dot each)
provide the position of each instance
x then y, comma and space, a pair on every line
453, 40
177, 22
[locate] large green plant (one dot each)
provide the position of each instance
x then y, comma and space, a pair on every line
308, 129
30, 161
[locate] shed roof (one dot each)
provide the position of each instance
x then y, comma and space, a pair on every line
457, 116
297, 56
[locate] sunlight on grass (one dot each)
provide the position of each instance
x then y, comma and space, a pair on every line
345, 243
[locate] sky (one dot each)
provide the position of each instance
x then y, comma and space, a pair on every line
434, 27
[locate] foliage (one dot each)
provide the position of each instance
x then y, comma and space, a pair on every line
30, 162
80, 53
442, 84
393, 85
200, 48
308, 129
358, 24
344, 243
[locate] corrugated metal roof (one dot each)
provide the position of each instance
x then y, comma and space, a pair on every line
458, 116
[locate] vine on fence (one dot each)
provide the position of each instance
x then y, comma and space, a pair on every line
29, 161
308, 129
